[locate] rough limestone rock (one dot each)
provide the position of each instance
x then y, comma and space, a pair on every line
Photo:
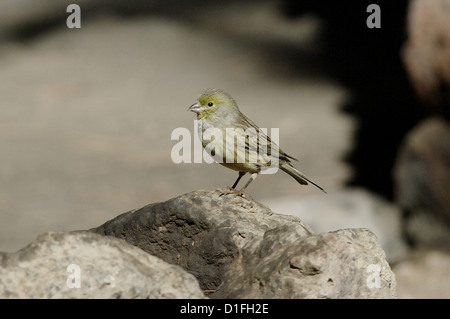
238, 248
108, 268
350, 208
422, 180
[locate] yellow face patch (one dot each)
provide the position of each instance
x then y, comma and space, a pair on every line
204, 100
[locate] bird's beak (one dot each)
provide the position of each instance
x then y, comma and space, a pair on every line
195, 108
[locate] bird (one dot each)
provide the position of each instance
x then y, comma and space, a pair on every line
236, 142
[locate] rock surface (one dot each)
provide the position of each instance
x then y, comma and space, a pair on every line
108, 268
349, 208
422, 176
238, 248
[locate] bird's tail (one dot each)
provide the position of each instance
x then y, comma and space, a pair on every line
299, 177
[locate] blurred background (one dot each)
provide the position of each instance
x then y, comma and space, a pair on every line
86, 115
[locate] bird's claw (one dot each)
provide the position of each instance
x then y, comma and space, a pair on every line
232, 191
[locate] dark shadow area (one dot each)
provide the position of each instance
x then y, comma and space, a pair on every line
368, 63
29, 32
37, 25
281, 59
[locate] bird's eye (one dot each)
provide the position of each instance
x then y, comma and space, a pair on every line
210, 103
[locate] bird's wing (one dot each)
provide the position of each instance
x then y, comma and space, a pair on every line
266, 145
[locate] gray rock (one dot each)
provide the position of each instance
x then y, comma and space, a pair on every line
422, 183
107, 268
343, 264
349, 208
238, 248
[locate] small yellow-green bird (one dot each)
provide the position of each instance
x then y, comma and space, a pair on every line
236, 142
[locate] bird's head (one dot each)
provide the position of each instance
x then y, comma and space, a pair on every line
213, 104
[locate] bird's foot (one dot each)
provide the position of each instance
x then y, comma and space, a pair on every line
228, 191
234, 191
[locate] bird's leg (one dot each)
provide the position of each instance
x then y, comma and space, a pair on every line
238, 179
232, 190
252, 178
